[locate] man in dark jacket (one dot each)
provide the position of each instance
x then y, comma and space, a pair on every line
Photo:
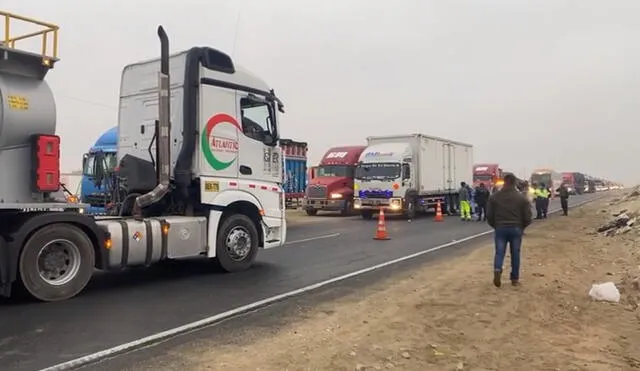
481, 196
563, 192
509, 213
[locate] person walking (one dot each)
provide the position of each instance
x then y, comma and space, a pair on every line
482, 196
563, 192
465, 197
509, 214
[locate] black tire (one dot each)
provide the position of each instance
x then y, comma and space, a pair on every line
311, 212
348, 207
366, 214
70, 238
224, 257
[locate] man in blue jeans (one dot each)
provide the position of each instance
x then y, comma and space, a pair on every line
508, 213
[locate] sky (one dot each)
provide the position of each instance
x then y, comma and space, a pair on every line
539, 83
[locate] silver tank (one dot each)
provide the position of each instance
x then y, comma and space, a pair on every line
27, 107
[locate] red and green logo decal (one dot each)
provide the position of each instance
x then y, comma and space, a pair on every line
220, 152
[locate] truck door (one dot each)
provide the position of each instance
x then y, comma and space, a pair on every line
448, 162
260, 164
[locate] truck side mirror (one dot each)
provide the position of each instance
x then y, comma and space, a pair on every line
85, 157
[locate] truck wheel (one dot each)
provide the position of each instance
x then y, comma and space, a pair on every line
366, 214
56, 263
312, 212
237, 243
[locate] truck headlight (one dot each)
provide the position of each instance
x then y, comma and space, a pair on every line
395, 203
336, 195
357, 203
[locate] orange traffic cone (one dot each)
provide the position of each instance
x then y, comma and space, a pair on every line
381, 231
439, 217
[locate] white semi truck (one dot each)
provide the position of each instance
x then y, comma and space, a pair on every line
200, 171
411, 173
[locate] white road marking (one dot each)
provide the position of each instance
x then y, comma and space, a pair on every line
312, 238
189, 327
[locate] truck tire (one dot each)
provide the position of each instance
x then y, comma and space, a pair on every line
237, 243
56, 262
366, 214
311, 212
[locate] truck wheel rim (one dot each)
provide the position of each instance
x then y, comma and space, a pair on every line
58, 262
238, 243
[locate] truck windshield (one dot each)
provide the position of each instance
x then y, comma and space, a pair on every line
482, 177
109, 157
335, 170
380, 170
541, 178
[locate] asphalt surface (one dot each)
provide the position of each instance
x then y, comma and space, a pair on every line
121, 307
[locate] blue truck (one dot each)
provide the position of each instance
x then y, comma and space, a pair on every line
295, 174
94, 191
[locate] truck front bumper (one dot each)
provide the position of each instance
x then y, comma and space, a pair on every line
324, 204
388, 204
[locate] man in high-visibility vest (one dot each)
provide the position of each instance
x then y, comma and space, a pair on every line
541, 195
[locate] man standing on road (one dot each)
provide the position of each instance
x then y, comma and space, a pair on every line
563, 192
465, 206
508, 213
482, 196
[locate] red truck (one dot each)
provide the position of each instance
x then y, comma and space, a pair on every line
489, 174
331, 187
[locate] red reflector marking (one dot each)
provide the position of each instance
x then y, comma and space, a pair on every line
275, 189
263, 187
233, 184
252, 185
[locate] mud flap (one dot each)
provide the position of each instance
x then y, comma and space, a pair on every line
5, 269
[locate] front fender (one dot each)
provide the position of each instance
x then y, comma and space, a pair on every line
229, 196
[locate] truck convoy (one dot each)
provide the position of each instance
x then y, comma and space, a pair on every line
411, 173
489, 174
95, 192
207, 183
331, 185
295, 174
575, 182
548, 177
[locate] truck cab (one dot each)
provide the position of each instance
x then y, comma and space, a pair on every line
383, 177
330, 187
550, 178
95, 192
489, 174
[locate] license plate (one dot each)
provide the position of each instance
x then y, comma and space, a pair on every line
211, 186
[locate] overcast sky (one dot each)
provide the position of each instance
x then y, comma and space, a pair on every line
529, 83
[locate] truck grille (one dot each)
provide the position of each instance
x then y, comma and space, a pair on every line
316, 191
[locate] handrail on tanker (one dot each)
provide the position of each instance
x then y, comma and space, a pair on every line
9, 41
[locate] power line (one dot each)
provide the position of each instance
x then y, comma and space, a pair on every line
87, 101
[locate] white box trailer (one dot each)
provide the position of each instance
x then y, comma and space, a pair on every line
409, 173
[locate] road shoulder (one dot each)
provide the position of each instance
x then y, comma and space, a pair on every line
448, 315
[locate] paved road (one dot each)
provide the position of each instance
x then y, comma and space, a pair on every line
118, 308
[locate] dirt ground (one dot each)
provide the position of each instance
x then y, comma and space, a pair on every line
449, 316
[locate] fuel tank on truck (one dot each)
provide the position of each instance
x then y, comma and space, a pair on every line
27, 107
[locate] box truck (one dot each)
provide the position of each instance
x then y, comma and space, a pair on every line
411, 173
